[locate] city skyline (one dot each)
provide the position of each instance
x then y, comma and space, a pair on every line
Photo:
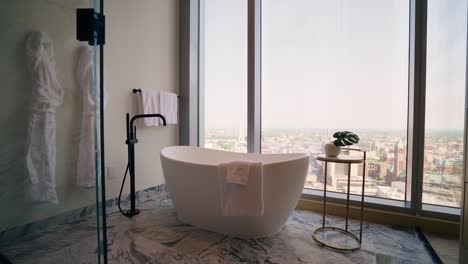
344, 128
385, 167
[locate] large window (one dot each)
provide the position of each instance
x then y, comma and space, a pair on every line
224, 73
338, 65
445, 93
307, 68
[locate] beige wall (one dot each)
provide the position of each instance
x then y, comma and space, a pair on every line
141, 51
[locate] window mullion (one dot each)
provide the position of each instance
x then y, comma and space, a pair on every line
188, 73
254, 77
417, 99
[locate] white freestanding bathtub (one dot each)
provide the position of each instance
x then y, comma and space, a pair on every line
191, 176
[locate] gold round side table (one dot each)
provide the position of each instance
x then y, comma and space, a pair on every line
324, 235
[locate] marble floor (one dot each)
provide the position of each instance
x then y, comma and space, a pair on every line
157, 236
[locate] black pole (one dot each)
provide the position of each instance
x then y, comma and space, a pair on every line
131, 141
133, 210
103, 161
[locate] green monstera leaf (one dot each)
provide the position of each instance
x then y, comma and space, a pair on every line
345, 138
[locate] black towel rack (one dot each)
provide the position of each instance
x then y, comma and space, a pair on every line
139, 91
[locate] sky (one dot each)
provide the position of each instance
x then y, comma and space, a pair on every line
333, 64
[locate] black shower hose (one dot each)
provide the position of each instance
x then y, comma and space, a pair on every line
120, 194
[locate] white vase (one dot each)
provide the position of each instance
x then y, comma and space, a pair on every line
331, 150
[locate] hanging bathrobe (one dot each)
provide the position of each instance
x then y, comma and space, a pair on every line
46, 97
86, 168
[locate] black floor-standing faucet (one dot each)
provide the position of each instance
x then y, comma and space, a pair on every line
131, 141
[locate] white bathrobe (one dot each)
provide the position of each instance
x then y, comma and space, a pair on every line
46, 97
87, 163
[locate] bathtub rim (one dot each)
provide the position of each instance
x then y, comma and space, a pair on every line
288, 156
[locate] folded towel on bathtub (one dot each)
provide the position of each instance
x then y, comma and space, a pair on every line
237, 172
241, 188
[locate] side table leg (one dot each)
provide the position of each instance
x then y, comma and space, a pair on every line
347, 197
324, 194
362, 197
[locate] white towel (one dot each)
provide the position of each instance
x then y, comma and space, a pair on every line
149, 103
241, 199
237, 172
168, 106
